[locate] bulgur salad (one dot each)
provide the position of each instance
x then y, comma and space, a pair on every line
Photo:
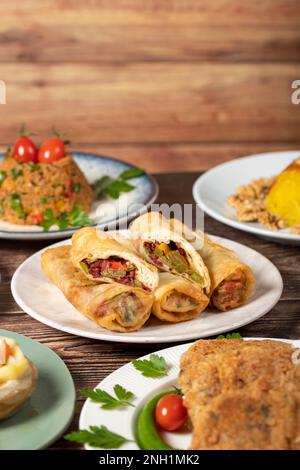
44, 186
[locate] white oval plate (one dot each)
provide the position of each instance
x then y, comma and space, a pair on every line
45, 302
106, 212
123, 420
211, 190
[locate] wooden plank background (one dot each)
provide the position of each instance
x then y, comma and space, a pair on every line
170, 85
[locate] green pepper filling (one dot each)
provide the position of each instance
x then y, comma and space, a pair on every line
172, 256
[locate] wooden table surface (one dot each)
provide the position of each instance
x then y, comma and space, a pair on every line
89, 361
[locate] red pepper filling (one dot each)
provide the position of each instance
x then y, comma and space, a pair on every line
118, 269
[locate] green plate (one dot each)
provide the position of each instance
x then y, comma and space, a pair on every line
50, 410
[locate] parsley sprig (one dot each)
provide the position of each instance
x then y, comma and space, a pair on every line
97, 436
107, 401
154, 367
107, 186
76, 218
230, 336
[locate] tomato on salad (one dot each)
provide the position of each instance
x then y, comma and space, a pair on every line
170, 413
25, 150
52, 150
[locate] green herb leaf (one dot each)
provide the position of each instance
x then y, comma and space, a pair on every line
107, 186
77, 187
48, 220
44, 199
108, 402
100, 185
15, 172
131, 173
117, 187
34, 166
155, 367
97, 436
78, 218
3, 175
230, 336
16, 205
122, 394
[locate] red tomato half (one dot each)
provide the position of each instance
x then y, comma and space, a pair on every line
170, 414
25, 150
52, 150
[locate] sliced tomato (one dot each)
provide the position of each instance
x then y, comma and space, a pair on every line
170, 413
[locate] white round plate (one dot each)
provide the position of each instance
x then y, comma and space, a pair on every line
211, 190
106, 212
45, 302
123, 420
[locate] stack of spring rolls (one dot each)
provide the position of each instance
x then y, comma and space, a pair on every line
118, 282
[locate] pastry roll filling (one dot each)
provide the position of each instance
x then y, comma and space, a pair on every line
179, 302
118, 269
231, 292
172, 257
124, 306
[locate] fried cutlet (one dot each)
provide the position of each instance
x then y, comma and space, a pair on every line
242, 394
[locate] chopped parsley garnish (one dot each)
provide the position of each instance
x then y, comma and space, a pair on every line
44, 199
34, 166
16, 205
107, 401
15, 172
107, 186
3, 175
154, 367
76, 218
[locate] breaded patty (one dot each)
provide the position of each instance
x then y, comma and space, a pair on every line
242, 394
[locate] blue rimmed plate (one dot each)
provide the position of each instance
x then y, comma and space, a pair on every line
105, 213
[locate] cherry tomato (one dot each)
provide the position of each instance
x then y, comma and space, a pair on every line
25, 150
52, 150
170, 414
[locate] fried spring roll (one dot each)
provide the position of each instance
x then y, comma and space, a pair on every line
113, 306
178, 299
232, 282
102, 258
162, 244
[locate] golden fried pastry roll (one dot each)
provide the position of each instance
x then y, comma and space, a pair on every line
162, 243
177, 299
102, 258
113, 306
232, 282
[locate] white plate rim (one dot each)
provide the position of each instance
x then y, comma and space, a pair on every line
261, 230
140, 384
129, 337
